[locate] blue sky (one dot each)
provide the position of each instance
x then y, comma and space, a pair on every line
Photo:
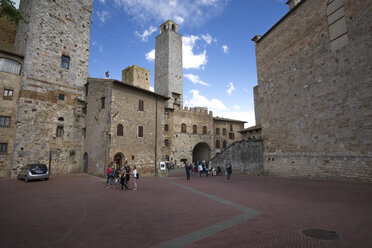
218, 54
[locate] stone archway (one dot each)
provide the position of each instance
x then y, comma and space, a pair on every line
202, 151
119, 159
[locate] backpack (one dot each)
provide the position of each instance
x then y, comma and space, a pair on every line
137, 176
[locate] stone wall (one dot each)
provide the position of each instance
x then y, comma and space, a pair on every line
8, 108
183, 143
50, 95
314, 101
102, 141
136, 76
246, 157
230, 136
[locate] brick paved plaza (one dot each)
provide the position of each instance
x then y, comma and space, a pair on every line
79, 211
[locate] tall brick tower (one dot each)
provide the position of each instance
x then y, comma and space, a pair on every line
168, 64
50, 119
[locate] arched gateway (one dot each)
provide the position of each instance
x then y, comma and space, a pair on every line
119, 158
202, 151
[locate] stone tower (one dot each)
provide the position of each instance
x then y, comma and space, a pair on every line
168, 64
50, 119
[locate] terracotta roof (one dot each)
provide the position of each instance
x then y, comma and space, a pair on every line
256, 127
226, 119
114, 81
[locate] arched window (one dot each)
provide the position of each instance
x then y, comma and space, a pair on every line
217, 131
231, 127
119, 130
183, 128
166, 142
204, 130
61, 119
166, 127
224, 144
194, 129
173, 27
217, 144
224, 131
59, 132
11, 66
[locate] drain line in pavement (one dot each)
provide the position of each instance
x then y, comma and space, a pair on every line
210, 230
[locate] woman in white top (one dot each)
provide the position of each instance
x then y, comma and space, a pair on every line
134, 173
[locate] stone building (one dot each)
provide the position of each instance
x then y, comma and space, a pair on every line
51, 112
10, 81
314, 90
123, 124
226, 132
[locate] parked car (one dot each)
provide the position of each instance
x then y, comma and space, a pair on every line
33, 172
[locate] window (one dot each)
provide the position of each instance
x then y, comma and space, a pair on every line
224, 131
84, 133
231, 136
166, 157
119, 130
231, 128
166, 142
4, 121
217, 144
65, 62
183, 128
166, 115
140, 105
140, 131
204, 130
86, 89
84, 108
3, 148
224, 144
9, 65
194, 129
61, 119
61, 97
217, 131
166, 127
103, 102
59, 132
8, 94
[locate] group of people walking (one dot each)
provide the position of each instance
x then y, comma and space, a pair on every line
205, 167
122, 175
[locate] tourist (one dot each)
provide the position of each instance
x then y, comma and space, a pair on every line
122, 178
200, 169
108, 171
228, 170
206, 168
127, 175
188, 171
134, 173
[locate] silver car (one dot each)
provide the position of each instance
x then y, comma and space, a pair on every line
33, 172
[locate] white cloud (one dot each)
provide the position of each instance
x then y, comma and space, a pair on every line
198, 100
191, 60
236, 107
150, 56
101, 49
219, 108
208, 38
157, 11
195, 79
102, 1
102, 15
152, 89
178, 19
173, 3
225, 49
230, 89
145, 35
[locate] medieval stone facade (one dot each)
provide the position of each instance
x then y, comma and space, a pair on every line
58, 116
314, 91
